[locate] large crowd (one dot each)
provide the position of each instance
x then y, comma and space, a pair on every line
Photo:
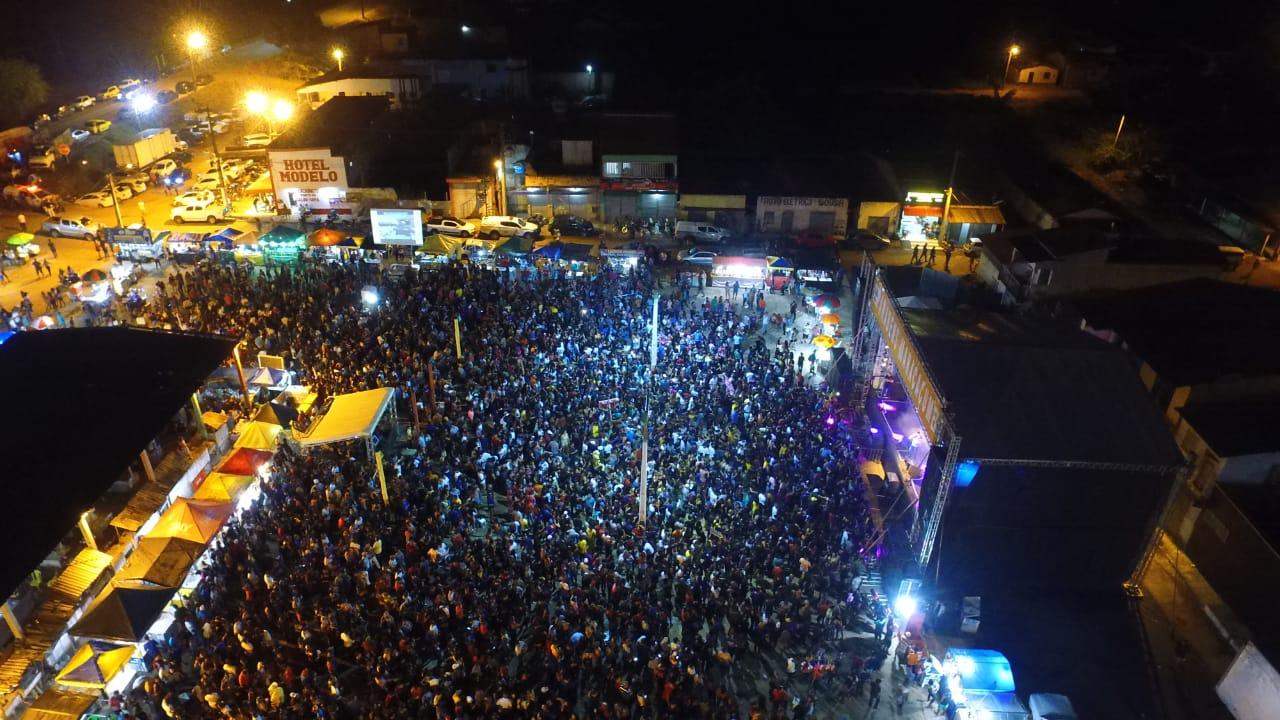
509, 576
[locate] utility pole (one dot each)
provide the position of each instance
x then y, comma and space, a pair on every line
217, 159
943, 226
115, 202
1119, 129
643, 514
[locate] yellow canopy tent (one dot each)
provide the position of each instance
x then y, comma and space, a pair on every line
258, 435
195, 520
95, 663
223, 487
161, 560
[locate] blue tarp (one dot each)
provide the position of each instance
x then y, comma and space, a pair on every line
982, 670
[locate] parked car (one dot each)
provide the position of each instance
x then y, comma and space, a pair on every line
42, 158
864, 240
196, 213
164, 97
573, 225
184, 87
203, 79
812, 239
135, 184
195, 197
450, 226
97, 127
66, 227
207, 183
162, 167
700, 232
496, 226
100, 198
128, 84
112, 92
79, 134
189, 136
133, 178
83, 101
32, 196
699, 257
256, 140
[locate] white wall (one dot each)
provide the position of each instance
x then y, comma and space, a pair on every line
801, 209
401, 89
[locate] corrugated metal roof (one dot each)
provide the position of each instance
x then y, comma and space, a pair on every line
81, 573
149, 498
977, 214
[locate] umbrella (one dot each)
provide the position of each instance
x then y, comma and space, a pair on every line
326, 237
95, 663
44, 322
827, 300
830, 319
21, 238
93, 275
826, 342
162, 561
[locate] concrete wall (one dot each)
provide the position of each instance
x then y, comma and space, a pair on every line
891, 211
1090, 271
772, 213
399, 89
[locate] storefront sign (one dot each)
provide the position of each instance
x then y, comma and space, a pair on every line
925, 197
305, 171
802, 202
127, 236
924, 396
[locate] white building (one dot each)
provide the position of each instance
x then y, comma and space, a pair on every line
793, 214
401, 88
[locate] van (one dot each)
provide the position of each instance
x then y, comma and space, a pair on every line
700, 232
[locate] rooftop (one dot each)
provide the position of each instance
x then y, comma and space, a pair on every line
89, 400
335, 124
1194, 331
1059, 394
1043, 245
1246, 426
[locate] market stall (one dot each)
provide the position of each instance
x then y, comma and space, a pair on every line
56, 704
123, 611
161, 561
747, 271
622, 261
258, 434
185, 247
236, 243
350, 417
282, 244
981, 685
195, 520
135, 242
222, 487
244, 461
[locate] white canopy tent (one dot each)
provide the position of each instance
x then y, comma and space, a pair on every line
350, 417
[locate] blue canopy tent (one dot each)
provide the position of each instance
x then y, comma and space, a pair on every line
550, 252
982, 670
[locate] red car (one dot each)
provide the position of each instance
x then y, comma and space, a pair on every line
813, 239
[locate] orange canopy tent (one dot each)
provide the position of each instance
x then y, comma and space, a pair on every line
221, 487
195, 520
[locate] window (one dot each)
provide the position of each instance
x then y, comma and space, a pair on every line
612, 169
768, 218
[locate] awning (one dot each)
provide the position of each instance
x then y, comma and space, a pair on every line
195, 520
95, 663
232, 236
213, 420
976, 214
145, 502
59, 705
277, 413
124, 611
81, 573
244, 461
437, 244
325, 237
515, 246
982, 670
351, 416
922, 211
161, 561
258, 435
221, 487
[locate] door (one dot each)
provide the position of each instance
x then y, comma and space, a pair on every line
788, 219
823, 222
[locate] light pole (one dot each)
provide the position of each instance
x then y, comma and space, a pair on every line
338, 55
643, 509
1013, 51
196, 41
591, 80
502, 186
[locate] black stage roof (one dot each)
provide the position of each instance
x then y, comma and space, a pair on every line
1041, 391
79, 406
1194, 331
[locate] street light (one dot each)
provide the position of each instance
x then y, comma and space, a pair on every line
141, 104
338, 55
1013, 51
196, 41
282, 110
256, 102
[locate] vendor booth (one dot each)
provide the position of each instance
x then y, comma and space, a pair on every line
194, 520
185, 247
135, 243
571, 259
259, 434
623, 261
329, 244
981, 685
56, 704
282, 244
747, 271
353, 416
123, 611
222, 487
162, 561
237, 243
94, 664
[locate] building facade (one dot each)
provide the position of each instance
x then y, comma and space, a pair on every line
795, 214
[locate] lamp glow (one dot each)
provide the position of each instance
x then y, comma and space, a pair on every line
905, 606
369, 296
282, 110
142, 103
197, 40
256, 102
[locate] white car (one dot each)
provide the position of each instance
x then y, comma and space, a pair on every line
162, 168
195, 197
123, 191
496, 226
196, 213
208, 183
135, 185
101, 199
451, 226
83, 102
699, 257
79, 134
66, 227
256, 140
28, 250
42, 158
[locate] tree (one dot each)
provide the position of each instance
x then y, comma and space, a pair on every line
22, 90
